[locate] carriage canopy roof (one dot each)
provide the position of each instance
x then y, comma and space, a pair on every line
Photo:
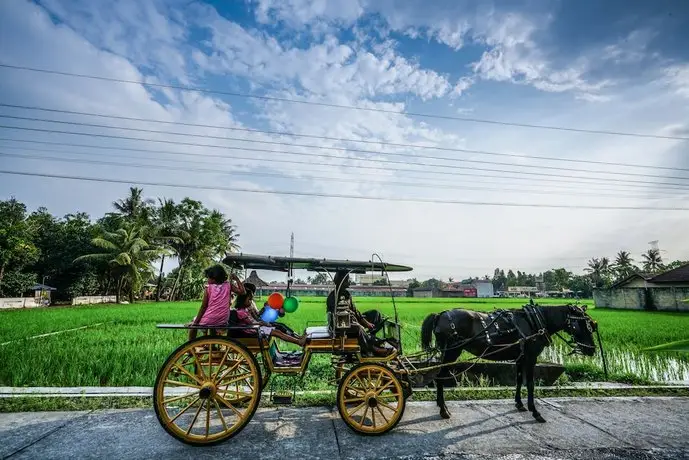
273, 263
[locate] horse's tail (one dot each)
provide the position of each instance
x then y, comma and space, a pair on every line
427, 330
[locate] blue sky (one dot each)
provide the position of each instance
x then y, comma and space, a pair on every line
614, 65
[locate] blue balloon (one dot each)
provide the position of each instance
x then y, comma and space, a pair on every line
269, 315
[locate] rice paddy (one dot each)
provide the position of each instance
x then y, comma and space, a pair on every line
119, 345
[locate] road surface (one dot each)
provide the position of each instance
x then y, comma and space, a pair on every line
576, 428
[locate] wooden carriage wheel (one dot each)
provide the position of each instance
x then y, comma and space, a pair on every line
207, 390
370, 399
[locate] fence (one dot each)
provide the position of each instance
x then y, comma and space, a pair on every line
20, 302
92, 299
654, 298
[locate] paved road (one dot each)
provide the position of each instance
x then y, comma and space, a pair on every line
595, 428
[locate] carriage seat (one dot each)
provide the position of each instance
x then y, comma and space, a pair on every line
318, 332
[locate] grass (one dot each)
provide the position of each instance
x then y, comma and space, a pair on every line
127, 349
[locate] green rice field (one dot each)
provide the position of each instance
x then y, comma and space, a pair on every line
121, 346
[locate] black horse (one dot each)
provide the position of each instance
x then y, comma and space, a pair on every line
518, 335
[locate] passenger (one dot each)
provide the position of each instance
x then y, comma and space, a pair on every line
215, 306
251, 288
363, 326
246, 317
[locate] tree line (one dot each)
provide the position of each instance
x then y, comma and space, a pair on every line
600, 272
121, 253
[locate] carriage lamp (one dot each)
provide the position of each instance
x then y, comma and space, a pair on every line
343, 319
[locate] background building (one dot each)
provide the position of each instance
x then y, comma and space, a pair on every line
641, 291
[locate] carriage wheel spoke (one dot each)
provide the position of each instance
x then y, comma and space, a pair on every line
183, 384
221, 363
358, 408
237, 379
382, 414
229, 405
387, 406
189, 374
177, 398
363, 417
381, 389
198, 363
219, 378
237, 393
172, 420
196, 416
208, 418
222, 418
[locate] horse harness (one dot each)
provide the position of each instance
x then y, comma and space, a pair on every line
503, 324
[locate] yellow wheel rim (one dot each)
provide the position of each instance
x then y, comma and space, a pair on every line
370, 399
207, 390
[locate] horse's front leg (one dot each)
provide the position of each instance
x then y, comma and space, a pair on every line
440, 399
530, 387
519, 364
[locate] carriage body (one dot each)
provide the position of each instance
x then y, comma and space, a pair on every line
209, 388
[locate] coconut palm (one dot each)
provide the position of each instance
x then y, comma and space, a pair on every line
168, 233
135, 208
598, 270
624, 264
653, 262
128, 255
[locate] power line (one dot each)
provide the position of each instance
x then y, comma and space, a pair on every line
374, 160
341, 106
627, 187
328, 178
345, 196
365, 141
345, 149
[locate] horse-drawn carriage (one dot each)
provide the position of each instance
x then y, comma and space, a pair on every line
209, 388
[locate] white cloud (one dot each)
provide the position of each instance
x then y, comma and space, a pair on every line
677, 77
325, 68
441, 240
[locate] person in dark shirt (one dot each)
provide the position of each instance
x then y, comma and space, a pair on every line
360, 324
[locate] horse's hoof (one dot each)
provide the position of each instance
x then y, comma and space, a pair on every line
539, 418
520, 407
445, 414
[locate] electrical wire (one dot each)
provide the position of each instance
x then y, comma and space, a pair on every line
502, 178
339, 139
343, 195
345, 149
166, 141
340, 106
328, 178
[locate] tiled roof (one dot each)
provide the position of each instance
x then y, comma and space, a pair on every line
678, 275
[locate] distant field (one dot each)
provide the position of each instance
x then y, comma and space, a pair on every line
127, 348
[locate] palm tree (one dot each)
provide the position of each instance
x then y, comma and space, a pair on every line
623, 264
652, 261
135, 208
167, 233
598, 270
128, 255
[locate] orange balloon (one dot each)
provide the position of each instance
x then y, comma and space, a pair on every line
275, 300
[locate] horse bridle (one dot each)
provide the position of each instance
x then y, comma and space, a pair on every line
591, 325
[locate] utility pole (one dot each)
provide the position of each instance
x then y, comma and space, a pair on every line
290, 273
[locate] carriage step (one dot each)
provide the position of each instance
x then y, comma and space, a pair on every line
283, 399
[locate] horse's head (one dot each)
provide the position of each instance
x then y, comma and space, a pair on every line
581, 327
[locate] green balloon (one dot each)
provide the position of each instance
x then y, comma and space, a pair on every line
291, 304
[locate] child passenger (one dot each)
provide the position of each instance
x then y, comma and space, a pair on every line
215, 307
245, 316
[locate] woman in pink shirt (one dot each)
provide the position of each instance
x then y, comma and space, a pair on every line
215, 307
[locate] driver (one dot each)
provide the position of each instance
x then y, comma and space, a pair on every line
363, 326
